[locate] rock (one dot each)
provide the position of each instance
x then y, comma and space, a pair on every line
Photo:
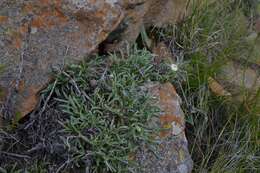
239, 79
172, 155
37, 36
40, 35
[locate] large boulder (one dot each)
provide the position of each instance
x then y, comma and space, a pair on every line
39, 35
172, 154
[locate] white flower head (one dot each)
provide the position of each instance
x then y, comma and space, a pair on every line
174, 67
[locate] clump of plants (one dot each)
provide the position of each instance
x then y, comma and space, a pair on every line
108, 110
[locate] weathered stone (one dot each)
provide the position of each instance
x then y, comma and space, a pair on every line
238, 79
172, 155
39, 35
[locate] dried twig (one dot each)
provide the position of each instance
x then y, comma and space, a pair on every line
15, 155
19, 76
49, 97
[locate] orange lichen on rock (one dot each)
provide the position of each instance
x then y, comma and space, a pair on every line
166, 119
167, 91
167, 124
18, 36
3, 19
169, 104
17, 42
28, 8
46, 13
37, 22
30, 101
167, 95
49, 18
165, 133
61, 17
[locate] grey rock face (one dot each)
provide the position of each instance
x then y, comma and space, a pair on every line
40, 35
